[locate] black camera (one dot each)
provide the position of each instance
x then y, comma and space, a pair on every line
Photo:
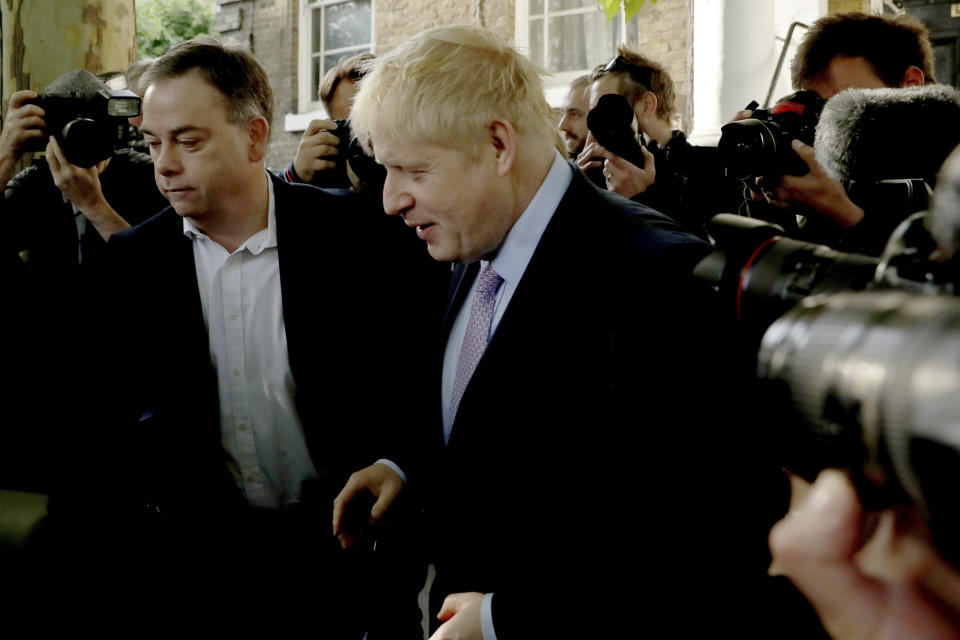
87, 118
761, 145
368, 171
857, 357
611, 123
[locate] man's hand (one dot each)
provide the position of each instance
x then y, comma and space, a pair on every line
628, 179
378, 479
82, 188
24, 122
816, 190
592, 155
885, 583
316, 146
461, 615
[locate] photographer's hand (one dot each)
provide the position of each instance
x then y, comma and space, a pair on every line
818, 191
24, 121
82, 188
316, 146
628, 179
592, 155
884, 583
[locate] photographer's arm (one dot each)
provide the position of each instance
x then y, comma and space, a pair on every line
818, 191
82, 188
24, 121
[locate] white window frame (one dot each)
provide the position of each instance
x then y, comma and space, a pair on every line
556, 84
309, 106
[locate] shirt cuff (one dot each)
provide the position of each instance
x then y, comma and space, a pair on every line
393, 465
486, 617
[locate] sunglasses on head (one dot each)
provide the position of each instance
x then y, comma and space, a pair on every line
622, 64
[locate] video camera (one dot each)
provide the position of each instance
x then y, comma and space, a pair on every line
859, 361
761, 145
87, 118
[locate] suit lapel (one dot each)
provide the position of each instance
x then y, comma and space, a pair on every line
525, 314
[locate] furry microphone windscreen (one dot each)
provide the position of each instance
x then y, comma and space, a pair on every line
866, 135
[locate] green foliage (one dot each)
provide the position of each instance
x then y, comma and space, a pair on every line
164, 23
612, 7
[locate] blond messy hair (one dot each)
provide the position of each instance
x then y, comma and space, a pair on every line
446, 86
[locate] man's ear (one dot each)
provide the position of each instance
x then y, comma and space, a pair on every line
646, 105
258, 131
504, 140
912, 77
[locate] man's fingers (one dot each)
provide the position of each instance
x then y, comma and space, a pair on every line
451, 605
317, 126
806, 152
54, 156
388, 493
20, 97
647, 158
346, 540
345, 497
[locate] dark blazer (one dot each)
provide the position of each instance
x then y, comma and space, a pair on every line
349, 282
346, 272
580, 418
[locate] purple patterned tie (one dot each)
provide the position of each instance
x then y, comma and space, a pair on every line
478, 328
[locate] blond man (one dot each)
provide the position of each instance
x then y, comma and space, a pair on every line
561, 339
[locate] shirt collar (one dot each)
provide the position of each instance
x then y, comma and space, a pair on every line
518, 247
258, 242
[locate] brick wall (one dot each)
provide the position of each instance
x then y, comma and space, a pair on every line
396, 20
843, 6
269, 28
665, 34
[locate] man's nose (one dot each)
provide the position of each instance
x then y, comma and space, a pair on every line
395, 199
166, 161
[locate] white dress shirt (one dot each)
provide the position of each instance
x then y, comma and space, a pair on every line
260, 428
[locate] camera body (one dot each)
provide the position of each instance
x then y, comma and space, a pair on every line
761, 145
612, 124
87, 118
367, 170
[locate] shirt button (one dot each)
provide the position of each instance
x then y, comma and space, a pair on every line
251, 477
242, 427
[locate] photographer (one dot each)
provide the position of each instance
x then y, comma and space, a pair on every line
316, 160
59, 213
839, 52
676, 178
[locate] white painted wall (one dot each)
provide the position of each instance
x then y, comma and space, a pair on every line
736, 47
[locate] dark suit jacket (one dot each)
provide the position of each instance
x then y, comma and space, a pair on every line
349, 283
577, 458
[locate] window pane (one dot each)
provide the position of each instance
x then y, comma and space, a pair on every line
536, 40
316, 23
536, 6
331, 59
560, 5
580, 41
347, 24
316, 73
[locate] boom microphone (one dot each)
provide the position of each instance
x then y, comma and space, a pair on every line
869, 135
